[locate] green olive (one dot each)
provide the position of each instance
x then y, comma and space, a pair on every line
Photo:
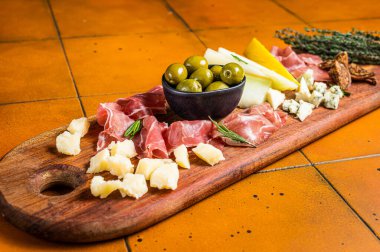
217, 85
195, 62
203, 76
232, 74
216, 70
189, 85
175, 73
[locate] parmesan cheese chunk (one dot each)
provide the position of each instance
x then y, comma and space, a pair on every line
102, 188
182, 157
304, 110
146, 166
208, 153
99, 162
79, 126
125, 148
275, 98
68, 143
165, 176
119, 166
133, 185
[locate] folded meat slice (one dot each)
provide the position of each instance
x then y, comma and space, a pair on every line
149, 142
297, 64
255, 124
145, 104
115, 123
189, 133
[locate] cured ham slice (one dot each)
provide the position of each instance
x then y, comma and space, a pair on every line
149, 141
297, 64
255, 124
189, 133
115, 123
145, 104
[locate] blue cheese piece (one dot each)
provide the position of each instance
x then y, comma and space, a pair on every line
331, 100
99, 162
79, 126
320, 87
101, 188
120, 166
133, 185
304, 110
68, 143
125, 148
316, 98
290, 106
336, 90
165, 176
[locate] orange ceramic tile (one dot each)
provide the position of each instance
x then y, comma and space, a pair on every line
289, 210
358, 182
33, 71
90, 103
123, 64
360, 137
237, 39
26, 120
319, 10
92, 17
201, 14
25, 20
13, 239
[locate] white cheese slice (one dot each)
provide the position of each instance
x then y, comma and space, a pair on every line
304, 110
133, 185
182, 156
275, 98
102, 188
165, 176
120, 166
146, 166
68, 143
99, 162
125, 148
208, 153
79, 126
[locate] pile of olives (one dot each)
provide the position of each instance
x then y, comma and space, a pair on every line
196, 76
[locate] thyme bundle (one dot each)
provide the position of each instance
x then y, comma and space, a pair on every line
363, 47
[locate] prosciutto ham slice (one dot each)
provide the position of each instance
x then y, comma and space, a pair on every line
189, 133
145, 104
297, 64
149, 142
115, 123
255, 124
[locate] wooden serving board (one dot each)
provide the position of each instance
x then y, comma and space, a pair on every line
79, 217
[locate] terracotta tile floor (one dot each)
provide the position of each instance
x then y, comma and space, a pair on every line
60, 58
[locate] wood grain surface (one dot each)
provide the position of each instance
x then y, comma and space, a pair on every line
76, 216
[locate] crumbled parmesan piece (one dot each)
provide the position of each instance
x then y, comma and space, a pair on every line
68, 143
146, 166
120, 166
79, 126
125, 148
101, 188
133, 185
182, 156
208, 153
165, 176
99, 162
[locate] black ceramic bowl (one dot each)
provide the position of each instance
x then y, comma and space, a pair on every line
194, 106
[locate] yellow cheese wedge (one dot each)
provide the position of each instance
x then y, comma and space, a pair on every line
259, 54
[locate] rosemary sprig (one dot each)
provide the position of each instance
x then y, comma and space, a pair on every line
239, 59
133, 129
229, 133
345, 93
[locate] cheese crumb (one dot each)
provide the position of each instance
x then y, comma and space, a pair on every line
331, 100
316, 98
304, 110
102, 188
79, 126
321, 87
182, 157
125, 148
146, 166
337, 90
133, 185
208, 153
275, 98
68, 143
99, 162
120, 166
165, 176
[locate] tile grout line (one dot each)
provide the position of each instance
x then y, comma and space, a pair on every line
347, 159
128, 247
39, 100
291, 12
65, 55
284, 168
183, 21
341, 196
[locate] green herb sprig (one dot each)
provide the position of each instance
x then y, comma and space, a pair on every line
363, 47
133, 129
229, 133
239, 59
